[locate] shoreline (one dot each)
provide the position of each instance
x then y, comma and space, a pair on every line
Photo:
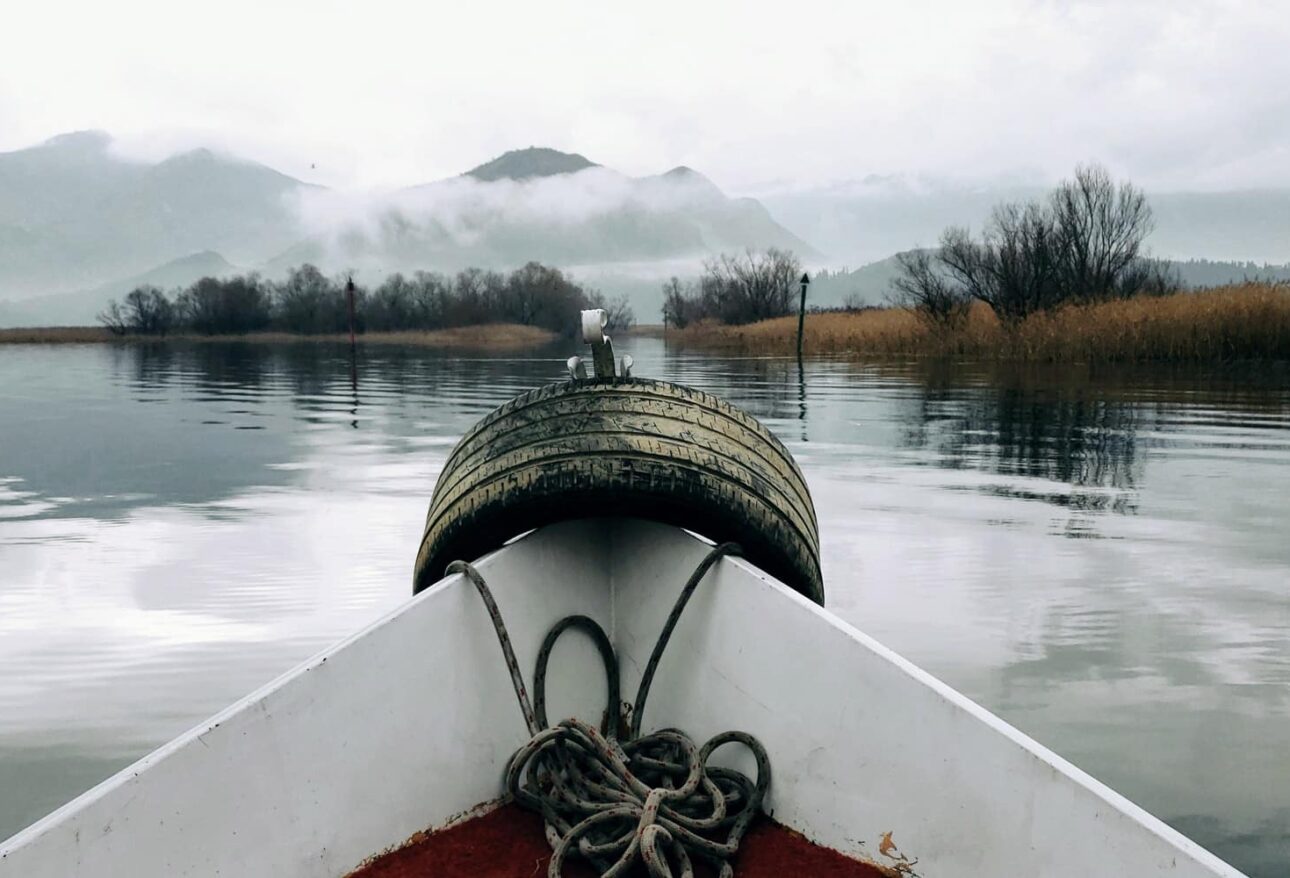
1246, 322
490, 336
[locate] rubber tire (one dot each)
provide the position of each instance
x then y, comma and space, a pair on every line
632, 447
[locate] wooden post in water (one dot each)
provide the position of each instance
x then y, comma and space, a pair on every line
801, 314
353, 348
349, 304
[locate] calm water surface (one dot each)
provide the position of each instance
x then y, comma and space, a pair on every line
1103, 560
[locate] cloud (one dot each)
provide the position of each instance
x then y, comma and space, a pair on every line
1174, 93
461, 219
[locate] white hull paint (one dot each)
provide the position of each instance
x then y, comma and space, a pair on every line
409, 723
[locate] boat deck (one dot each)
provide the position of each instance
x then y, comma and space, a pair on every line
509, 843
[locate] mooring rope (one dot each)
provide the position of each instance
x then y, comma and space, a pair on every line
650, 799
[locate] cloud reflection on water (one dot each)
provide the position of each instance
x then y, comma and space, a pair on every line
1099, 558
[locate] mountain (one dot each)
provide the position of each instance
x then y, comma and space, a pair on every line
867, 285
524, 164
74, 215
537, 204
81, 308
863, 221
81, 223
1200, 273
1245, 225
860, 223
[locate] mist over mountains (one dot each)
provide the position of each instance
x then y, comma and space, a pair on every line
79, 225
533, 204
73, 215
863, 221
81, 307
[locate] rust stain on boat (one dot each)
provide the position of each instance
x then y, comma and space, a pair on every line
903, 866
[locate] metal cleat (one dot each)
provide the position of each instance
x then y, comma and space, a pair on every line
602, 350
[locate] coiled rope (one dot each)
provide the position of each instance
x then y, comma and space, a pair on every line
650, 799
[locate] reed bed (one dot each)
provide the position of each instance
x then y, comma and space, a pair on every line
1242, 322
55, 335
491, 337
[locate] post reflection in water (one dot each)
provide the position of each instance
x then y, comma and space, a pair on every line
801, 396
353, 383
1099, 557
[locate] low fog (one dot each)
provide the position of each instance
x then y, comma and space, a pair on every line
590, 216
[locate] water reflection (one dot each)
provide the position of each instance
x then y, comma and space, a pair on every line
180, 523
801, 397
1060, 433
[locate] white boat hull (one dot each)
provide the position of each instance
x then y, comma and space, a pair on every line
409, 723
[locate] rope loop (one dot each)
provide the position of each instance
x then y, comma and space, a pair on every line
649, 799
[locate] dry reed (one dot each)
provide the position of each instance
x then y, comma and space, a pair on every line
492, 337
55, 335
1242, 322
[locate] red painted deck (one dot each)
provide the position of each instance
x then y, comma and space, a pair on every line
509, 843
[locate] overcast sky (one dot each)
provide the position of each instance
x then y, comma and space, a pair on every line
1174, 93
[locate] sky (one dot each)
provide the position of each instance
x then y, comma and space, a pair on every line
1174, 94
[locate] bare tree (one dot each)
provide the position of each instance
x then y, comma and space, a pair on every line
114, 318
154, 311
145, 311
309, 302
539, 295
1020, 260
751, 287
619, 315
923, 286
1099, 229
1148, 277
735, 289
1083, 244
676, 303
392, 305
434, 298
234, 305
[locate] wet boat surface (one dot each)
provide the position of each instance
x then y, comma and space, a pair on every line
411, 722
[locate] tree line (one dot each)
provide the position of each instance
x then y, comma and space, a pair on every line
309, 302
1081, 244
735, 289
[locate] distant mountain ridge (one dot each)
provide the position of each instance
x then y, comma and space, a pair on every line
863, 221
81, 308
78, 221
79, 224
541, 204
535, 161
73, 215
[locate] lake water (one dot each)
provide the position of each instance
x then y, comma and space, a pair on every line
1101, 559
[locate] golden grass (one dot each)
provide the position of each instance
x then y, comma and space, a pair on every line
492, 337
1243, 322
55, 335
